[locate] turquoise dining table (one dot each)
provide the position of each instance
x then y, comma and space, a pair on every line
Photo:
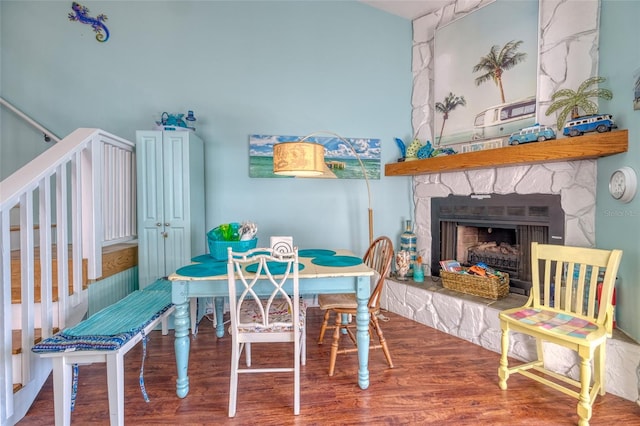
321, 272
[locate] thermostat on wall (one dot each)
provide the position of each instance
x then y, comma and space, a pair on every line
623, 184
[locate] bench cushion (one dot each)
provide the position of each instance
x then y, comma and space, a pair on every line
111, 327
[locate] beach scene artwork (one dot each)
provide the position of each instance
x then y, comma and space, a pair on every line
485, 86
339, 157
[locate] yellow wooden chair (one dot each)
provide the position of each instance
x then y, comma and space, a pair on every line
378, 257
563, 309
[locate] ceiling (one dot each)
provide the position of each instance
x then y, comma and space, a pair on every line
409, 9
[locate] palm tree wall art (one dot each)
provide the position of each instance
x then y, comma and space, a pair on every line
496, 62
502, 51
450, 103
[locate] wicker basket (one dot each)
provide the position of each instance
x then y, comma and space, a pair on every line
489, 288
218, 249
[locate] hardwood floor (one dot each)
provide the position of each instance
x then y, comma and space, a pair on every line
438, 379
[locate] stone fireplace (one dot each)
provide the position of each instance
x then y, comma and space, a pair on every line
570, 184
496, 230
476, 319
568, 54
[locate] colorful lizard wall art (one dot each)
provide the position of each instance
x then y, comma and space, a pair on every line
81, 14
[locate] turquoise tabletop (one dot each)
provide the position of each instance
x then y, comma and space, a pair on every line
206, 269
274, 267
203, 258
207, 258
337, 261
315, 252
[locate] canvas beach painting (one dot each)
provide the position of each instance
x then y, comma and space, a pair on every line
485, 85
339, 158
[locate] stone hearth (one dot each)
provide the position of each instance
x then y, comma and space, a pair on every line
476, 320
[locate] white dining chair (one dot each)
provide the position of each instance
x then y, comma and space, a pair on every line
265, 307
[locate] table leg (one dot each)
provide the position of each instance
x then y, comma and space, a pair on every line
219, 301
362, 326
179, 296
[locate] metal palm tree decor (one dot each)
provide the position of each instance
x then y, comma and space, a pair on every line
566, 101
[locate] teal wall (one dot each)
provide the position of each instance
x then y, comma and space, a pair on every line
618, 225
244, 67
109, 290
277, 68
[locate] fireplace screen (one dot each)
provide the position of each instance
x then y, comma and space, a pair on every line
497, 230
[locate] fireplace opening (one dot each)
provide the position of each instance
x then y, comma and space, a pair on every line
496, 247
496, 230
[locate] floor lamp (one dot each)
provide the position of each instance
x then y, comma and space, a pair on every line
306, 159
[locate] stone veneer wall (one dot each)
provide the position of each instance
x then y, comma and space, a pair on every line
568, 54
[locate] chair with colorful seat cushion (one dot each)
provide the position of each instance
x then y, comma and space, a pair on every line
570, 305
265, 307
378, 257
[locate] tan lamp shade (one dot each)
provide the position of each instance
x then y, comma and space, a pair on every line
298, 159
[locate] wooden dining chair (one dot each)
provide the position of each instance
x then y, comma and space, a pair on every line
265, 307
571, 306
378, 257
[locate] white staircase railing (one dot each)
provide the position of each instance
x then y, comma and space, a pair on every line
80, 196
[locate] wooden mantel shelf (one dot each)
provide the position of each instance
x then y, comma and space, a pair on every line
587, 146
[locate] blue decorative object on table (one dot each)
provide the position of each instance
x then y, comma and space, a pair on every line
239, 237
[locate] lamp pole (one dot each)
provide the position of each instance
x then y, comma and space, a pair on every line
364, 172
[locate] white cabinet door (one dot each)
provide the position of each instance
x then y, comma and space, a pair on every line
170, 202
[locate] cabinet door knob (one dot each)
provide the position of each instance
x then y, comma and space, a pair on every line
167, 224
158, 224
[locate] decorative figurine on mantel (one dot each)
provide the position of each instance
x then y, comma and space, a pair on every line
566, 101
417, 151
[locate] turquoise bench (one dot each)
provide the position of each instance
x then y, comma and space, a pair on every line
105, 337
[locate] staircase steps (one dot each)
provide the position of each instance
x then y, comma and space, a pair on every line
16, 275
16, 347
115, 258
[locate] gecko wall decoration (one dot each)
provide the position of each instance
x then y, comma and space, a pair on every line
81, 14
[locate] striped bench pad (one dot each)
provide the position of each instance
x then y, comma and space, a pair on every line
555, 322
111, 327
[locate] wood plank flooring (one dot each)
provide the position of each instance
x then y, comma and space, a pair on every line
437, 380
